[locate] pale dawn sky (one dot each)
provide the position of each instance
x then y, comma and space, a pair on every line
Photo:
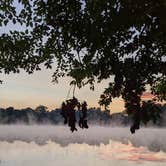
23, 90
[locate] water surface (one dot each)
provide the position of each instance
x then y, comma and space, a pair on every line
99, 146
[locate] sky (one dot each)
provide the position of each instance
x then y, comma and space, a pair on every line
23, 90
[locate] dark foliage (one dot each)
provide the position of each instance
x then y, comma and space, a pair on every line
90, 40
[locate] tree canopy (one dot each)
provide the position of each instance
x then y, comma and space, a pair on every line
90, 40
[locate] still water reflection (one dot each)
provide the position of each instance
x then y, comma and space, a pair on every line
35, 146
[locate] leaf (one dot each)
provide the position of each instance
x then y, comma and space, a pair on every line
14, 21
6, 22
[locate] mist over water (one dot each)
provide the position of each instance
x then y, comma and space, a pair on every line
55, 145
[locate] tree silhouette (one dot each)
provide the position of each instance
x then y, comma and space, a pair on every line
90, 40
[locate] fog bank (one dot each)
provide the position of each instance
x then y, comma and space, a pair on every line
152, 138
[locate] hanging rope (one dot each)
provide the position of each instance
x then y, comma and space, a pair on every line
74, 89
73, 83
68, 92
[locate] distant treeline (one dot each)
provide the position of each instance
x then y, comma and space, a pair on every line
41, 115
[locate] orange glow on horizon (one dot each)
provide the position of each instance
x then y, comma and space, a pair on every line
147, 96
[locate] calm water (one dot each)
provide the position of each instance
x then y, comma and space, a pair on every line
98, 146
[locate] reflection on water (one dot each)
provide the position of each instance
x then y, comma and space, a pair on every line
21, 153
99, 146
130, 153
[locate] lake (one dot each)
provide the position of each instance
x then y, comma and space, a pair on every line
49, 145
